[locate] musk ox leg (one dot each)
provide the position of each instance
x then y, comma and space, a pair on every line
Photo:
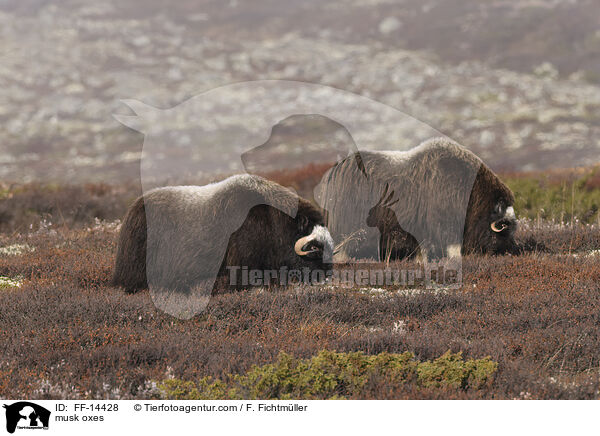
130, 264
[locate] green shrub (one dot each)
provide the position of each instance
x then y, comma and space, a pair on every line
451, 370
331, 375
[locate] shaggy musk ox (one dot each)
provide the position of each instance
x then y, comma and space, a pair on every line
183, 237
437, 199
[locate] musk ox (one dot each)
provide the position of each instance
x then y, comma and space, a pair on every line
183, 237
437, 199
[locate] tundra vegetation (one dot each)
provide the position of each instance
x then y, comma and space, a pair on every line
519, 327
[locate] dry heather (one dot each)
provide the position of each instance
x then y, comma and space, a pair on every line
65, 333
527, 326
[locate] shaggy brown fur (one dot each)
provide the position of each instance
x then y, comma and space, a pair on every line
130, 266
394, 241
445, 199
176, 238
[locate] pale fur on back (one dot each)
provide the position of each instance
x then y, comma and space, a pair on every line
213, 212
432, 181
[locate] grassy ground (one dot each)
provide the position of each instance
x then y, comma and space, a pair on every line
526, 326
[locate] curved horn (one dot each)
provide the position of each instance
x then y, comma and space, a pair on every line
301, 243
496, 229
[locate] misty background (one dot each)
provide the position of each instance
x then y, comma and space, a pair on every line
517, 82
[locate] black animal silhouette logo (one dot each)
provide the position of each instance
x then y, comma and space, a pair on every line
391, 234
24, 414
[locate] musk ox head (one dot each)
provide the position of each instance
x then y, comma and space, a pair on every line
491, 221
271, 240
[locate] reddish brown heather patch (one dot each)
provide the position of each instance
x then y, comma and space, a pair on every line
303, 180
24, 207
66, 333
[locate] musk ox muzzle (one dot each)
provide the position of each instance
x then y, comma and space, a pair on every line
318, 245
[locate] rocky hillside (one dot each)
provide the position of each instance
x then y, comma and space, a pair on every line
517, 82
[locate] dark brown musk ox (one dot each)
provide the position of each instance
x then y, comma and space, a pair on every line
437, 200
181, 237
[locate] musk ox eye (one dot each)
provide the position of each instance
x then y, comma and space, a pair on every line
303, 224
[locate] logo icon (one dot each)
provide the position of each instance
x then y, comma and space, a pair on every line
26, 415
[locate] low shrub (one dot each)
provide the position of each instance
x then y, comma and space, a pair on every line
331, 375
